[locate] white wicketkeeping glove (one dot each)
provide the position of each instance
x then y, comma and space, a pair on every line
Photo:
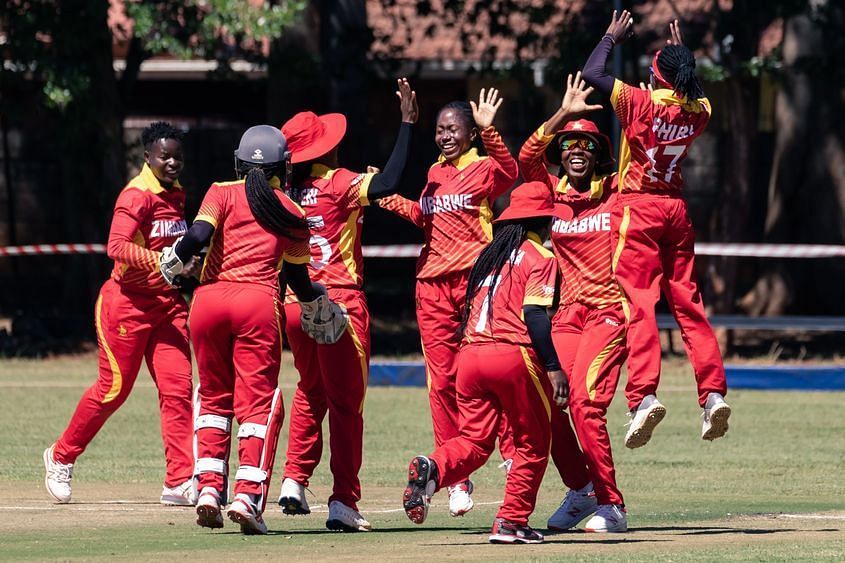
170, 264
323, 320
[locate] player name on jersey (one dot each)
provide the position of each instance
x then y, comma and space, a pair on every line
447, 202
591, 224
168, 228
669, 132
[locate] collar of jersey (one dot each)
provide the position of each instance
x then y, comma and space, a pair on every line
596, 187
148, 181
667, 97
531, 235
462, 161
321, 171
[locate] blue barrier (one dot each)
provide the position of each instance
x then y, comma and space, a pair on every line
792, 377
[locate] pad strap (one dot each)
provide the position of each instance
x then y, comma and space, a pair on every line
254, 474
250, 429
210, 465
213, 421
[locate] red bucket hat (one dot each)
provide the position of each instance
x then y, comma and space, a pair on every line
531, 199
586, 128
310, 136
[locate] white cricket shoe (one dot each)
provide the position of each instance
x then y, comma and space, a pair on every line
576, 505
716, 414
292, 498
506, 465
345, 519
460, 501
608, 518
208, 509
180, 495
244, 512
643, 421
57, 478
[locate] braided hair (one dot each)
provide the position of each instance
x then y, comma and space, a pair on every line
160, 130
265, 205
677, 65
507, 238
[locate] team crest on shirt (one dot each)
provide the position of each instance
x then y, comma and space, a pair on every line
168, 229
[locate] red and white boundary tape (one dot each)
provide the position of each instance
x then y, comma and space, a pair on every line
413, 250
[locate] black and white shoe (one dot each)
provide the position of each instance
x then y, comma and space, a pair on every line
292, 498
422, 481
505, 531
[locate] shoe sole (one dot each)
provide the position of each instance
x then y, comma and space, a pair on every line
642, 435
176, 501
605, 531
417, 496
503, 539
209, 516
293, 506
340, 526
718, 423
47, 478
249, 525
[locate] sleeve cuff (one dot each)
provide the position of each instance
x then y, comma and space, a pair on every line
539, 301
206, 218
296, 259
544, 137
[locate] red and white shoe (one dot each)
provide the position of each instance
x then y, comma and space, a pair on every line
505, 531
460, 501
422, 481
208, 509
244, 512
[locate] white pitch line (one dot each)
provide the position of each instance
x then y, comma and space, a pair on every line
812, 516
122, 506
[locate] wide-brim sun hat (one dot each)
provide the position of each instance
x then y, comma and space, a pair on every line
584, 128
311, 136
529, 200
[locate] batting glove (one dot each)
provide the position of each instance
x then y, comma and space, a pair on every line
323, 320
170, 264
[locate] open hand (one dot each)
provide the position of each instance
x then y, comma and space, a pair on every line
675, 33
485, 110
621, 27
407, 101
575, 99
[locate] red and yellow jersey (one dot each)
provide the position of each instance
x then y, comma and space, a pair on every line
454, 208
527, 279
657, 130
333, 201
580, 229
147, 218
241, 250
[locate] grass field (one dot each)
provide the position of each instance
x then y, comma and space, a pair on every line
773, 489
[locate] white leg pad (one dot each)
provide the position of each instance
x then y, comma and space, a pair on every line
250, 430
254, 474
211, 465
213, 421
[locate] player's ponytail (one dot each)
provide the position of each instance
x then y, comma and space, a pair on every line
677, 64
507, 238
265, 204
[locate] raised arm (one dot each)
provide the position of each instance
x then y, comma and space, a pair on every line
387, 181
619, 30
505, 170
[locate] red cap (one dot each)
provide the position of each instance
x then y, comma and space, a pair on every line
585, 128
310, 136
531, 199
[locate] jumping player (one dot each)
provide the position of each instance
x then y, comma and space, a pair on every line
139, 317
253, 230
589, 328
333, 377
653, 236
454, 210
505, 365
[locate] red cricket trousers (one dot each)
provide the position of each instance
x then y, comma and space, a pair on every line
236, 331
653, 243
496, 380
590, 344
333, 378
133, 326
440, 305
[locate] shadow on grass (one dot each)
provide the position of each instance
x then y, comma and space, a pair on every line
709, 530
324, 531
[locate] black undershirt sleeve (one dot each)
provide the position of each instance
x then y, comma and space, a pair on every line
197, 238
594, 70
386, 182
540, 330
296, 277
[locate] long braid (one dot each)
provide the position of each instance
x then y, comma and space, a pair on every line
266, 207
677, 64
506, 239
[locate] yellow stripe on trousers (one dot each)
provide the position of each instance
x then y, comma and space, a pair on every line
595, 366
116, 377
362, 357
623, 233
536, 380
